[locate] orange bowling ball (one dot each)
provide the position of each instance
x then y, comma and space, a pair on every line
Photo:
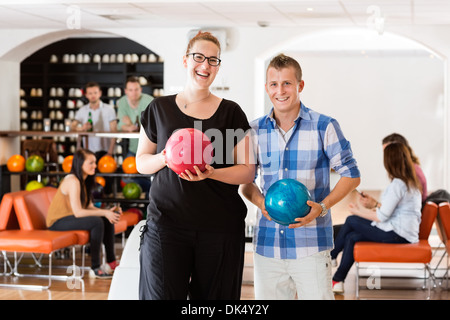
67, 164
16, 163
100, 180
107, 164
129, 165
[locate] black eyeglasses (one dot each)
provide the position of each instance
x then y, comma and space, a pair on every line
198, 57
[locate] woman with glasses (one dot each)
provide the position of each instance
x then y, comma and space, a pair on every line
193, 242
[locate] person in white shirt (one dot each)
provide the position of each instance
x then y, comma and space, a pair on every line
395, 219
103, 117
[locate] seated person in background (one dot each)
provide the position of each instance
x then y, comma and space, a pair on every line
395, 220
395, 137
370, 202
72, 209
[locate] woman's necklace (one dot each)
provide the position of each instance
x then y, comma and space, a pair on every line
187, 103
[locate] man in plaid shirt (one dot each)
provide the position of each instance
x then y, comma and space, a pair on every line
295, 142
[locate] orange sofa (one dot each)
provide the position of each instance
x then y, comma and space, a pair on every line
31, 209
400, 253
8, 218
23, 228
444, 216
36, 204
39, 241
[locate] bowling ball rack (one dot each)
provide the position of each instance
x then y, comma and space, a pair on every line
6, 175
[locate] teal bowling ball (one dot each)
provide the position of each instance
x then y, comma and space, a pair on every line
286, 200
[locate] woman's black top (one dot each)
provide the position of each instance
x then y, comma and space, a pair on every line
202, 205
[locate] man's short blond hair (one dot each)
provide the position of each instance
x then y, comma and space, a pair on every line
282, 61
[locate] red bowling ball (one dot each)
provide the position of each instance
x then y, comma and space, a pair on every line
187, 148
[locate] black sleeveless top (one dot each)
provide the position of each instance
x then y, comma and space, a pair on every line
204, 205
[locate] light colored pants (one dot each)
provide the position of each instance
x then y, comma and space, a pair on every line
281, 279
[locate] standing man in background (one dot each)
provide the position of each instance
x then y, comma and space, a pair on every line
130, 107
96, 116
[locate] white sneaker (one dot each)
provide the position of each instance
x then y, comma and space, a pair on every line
338, 287
99, 274
106, 268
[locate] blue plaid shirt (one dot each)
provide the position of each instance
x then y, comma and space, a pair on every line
315, 145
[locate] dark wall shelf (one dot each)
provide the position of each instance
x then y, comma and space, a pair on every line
50, 76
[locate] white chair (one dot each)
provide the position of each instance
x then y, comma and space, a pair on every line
125, 281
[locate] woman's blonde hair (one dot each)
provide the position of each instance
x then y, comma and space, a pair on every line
207, 36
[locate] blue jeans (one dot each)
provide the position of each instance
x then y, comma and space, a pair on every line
354, 230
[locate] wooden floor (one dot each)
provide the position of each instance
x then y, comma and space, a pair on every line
397, 287
95, 289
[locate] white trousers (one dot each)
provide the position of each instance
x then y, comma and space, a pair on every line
281, 279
